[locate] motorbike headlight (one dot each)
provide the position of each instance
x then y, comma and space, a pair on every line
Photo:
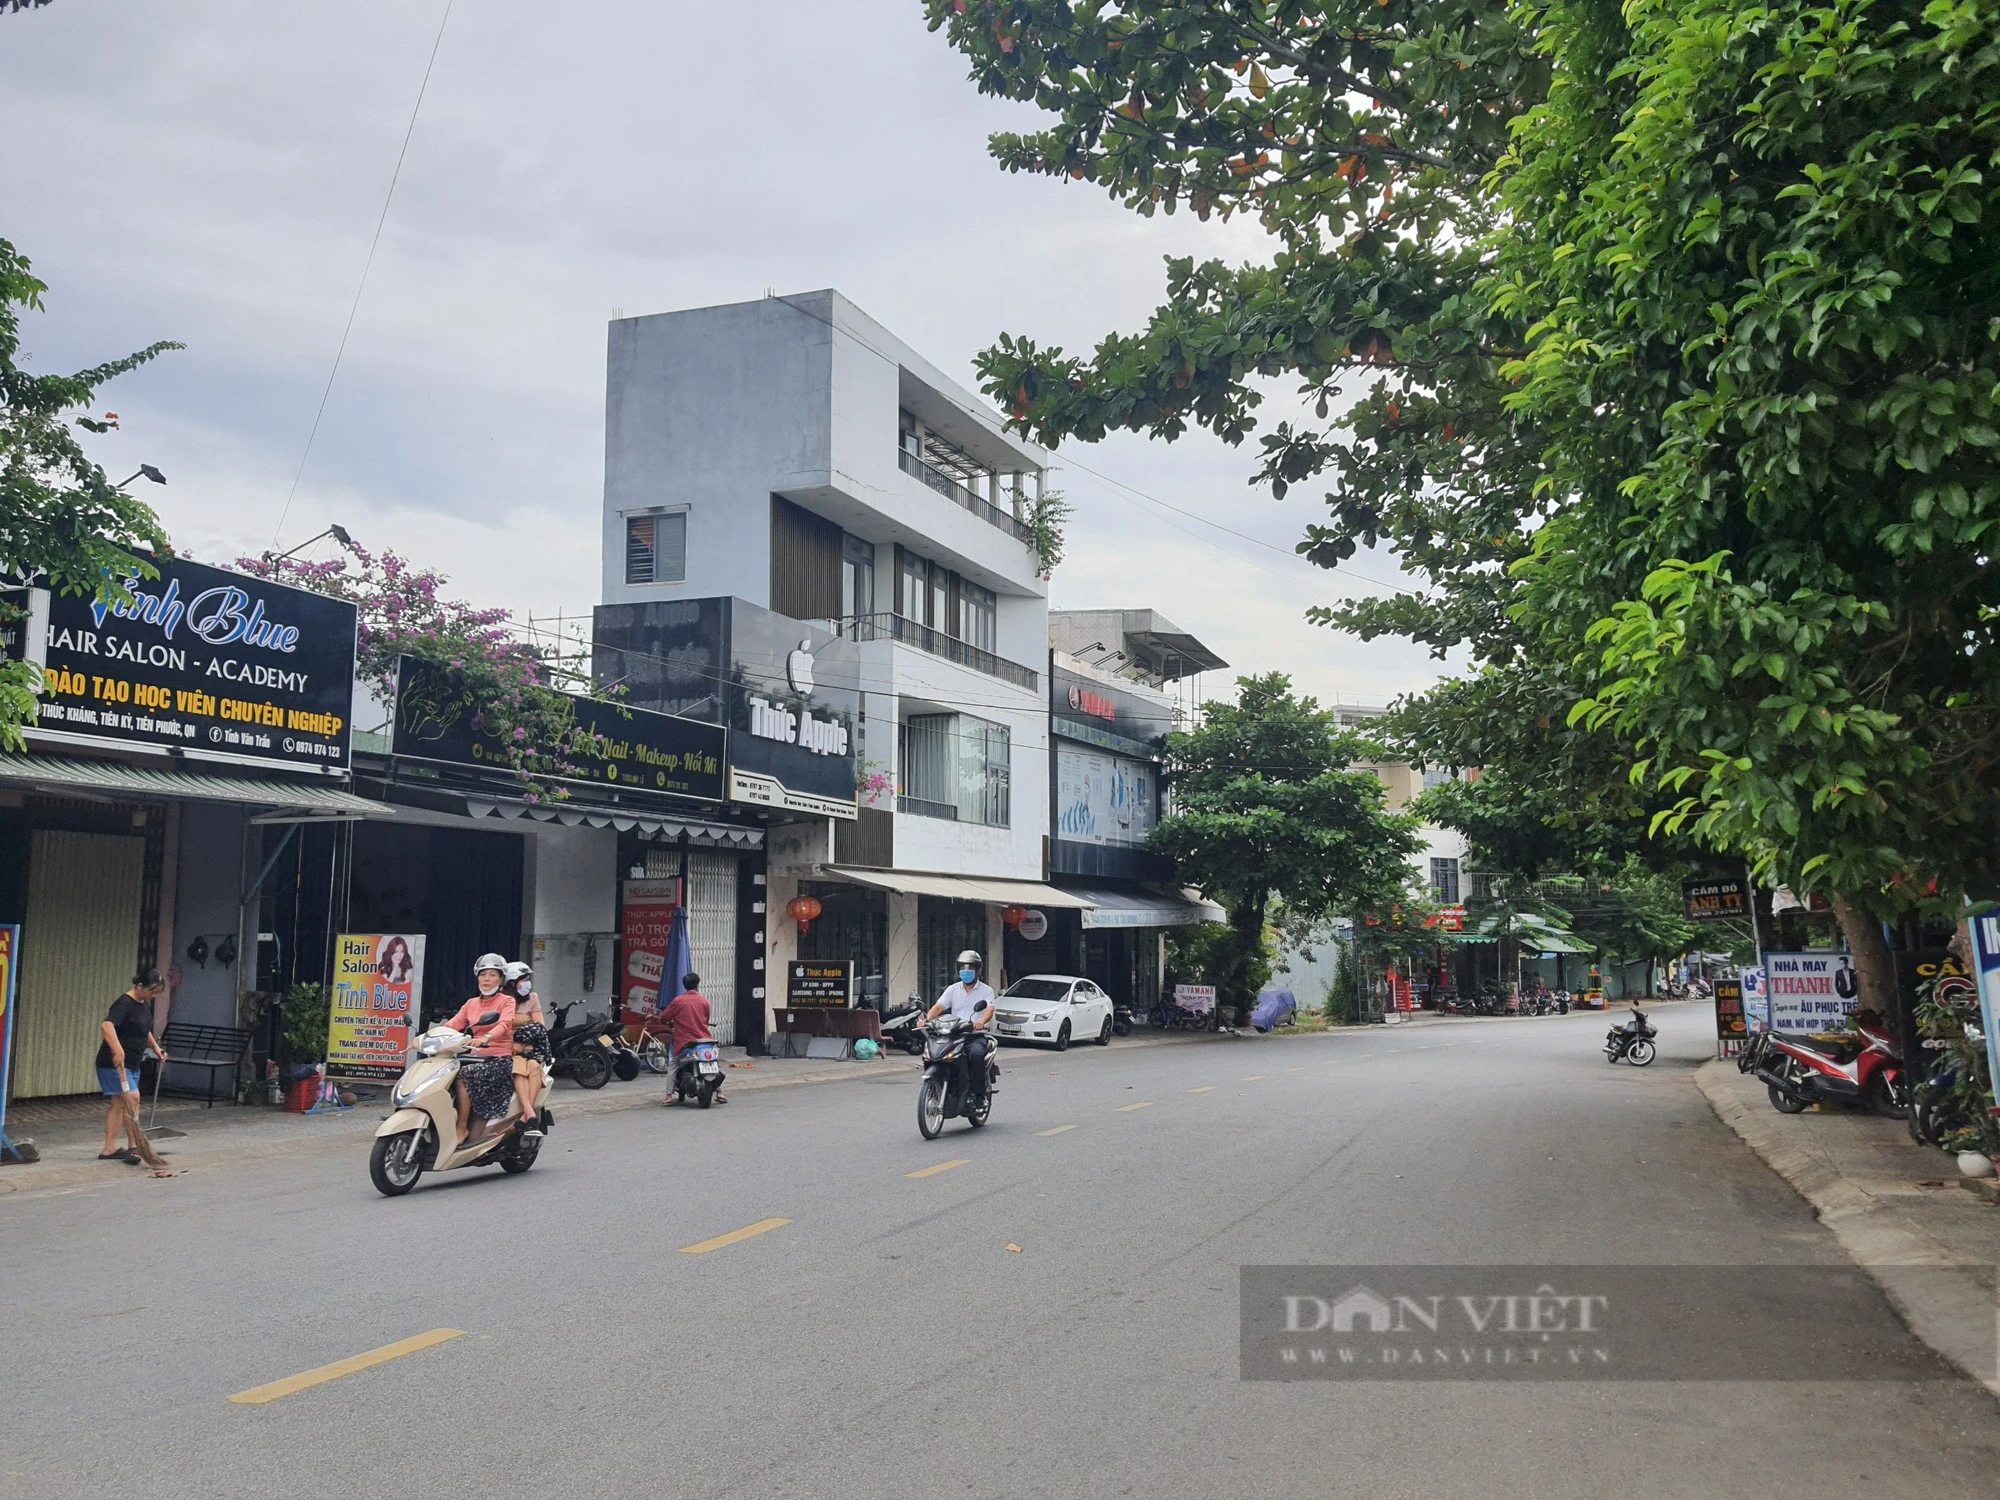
428, 1047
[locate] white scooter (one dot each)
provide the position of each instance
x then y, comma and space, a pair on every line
425, 1117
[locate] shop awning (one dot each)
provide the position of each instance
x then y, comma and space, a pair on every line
1148, 909
61, 777
963, 888
1533, 931
596, 815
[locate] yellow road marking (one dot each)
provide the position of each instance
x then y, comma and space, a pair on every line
1126, 1109
943, 1166
1255, 1078
1295, 1070
1206, 1088
1058, 1130
291, 1384
735, 1236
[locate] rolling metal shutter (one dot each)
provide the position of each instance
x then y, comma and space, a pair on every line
78, 947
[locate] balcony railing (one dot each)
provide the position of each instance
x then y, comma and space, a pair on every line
958, 494
921, 807
890, 627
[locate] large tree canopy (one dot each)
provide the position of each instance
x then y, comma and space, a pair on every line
1269, 805
1658, 341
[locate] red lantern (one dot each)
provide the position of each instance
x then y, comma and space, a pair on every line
1014, 916
803, 910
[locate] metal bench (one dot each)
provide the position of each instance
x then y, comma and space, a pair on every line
216, 1048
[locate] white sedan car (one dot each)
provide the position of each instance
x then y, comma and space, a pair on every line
1054, 1008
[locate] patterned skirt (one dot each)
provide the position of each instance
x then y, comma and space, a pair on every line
490, 1082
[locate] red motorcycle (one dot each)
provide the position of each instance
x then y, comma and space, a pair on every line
1863, 1068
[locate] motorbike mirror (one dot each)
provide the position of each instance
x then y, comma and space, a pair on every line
489, 1018
982, 1005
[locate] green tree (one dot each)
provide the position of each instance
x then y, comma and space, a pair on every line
1268, 805
1667, 336
60, 517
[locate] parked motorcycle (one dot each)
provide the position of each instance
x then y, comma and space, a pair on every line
1633, 1041
1121, 1019
421, 1133
698, 1073
903, 1025
584, 1051
945, 1090
1863, 1067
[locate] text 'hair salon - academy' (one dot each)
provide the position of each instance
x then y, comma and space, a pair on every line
195, 796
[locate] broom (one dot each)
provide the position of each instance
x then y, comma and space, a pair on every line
141, 1142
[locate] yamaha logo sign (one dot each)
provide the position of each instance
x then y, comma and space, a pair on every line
1083, 700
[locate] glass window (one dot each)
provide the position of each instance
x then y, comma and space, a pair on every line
1444, 881
1435, 778
959, 767
656, 547
1037, 989
978, 614
857, 577
913, 587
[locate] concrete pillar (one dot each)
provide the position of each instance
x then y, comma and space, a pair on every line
902, 975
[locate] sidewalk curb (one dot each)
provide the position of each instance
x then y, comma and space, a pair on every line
1944, 1306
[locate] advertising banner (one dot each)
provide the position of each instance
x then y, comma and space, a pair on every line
217, 665
648, 931
820, 981
1729, 1026
10, 967
1715, 900
1810, 992
1198, 998
1986, 961
632, 747
1756, 1002
1104, 799
378, 986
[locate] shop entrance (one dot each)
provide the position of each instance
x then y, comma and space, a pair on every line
79, 948
945, 929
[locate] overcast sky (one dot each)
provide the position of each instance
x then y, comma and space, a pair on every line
211, 171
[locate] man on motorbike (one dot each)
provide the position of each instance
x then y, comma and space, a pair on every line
485, 1072
686, 1019
962, 1000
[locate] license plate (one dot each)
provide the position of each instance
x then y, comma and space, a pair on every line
711, 1070
604, 1041
1010, 1031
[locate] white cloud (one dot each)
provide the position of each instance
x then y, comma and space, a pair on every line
212, 171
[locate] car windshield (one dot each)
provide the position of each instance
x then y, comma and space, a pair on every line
1037, 989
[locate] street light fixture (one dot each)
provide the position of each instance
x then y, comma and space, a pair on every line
146, 471
338, 533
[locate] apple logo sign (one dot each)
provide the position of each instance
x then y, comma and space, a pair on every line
799, 668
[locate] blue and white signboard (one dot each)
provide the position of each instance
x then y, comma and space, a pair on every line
1810, 992
1756, 1001
1986, 960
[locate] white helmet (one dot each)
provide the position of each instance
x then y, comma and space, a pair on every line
970, 956
516, 970
487, 961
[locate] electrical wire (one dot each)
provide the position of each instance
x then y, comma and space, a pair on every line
380, 220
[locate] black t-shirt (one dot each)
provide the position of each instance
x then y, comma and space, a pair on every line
133, 1021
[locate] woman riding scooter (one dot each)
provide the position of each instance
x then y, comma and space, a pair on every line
485, 1074
532, 1056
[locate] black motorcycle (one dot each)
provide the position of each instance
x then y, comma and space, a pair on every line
1121, 1019
1633, 1041
586, 1051
946, 1088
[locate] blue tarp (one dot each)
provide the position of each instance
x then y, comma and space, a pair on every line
1272, 1007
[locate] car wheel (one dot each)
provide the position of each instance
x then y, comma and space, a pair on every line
1062, 1038
1104, 1033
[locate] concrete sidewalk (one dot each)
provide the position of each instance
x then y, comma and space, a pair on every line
1896, 1206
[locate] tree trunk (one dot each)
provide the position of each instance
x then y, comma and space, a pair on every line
1874, 963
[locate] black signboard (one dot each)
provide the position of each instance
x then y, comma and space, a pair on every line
820, 981
1090, 705
788, 690
1713, 900
1729, 1010
631, 747
213, 664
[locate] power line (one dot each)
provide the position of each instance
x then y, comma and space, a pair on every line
366, 265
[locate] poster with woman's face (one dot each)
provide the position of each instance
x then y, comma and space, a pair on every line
378, 981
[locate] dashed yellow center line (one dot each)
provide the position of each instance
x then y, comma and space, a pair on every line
291, 1384
735, 1236
1126, 1109
1255, 1078
943, 1166
1206, 1088
1057, 1130
1295, 1070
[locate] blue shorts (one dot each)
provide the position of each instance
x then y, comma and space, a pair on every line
113, 1081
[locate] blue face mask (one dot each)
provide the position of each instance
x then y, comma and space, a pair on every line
966, 976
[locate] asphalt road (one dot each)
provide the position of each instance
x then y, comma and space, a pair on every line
890, 1340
